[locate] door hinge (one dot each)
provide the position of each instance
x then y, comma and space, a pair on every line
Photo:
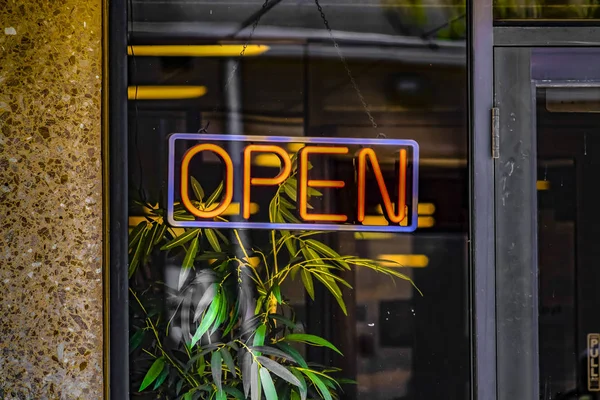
495, 132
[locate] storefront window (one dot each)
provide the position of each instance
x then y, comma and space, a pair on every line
339, 69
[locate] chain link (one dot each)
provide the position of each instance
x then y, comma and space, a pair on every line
237, 63
345, 63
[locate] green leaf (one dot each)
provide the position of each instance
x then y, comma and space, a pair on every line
272, 351
212, 239
288, 215
246, 368
228, 361
138, 254
161, 378
313, 192
327, 252
286, 321
208, 319
303, 387
308, 282
198, 191
277, 293
181, 239
153, 373
179, 386
222, 314
188, 262
267, 385
213, 197
289, 241
294, 353
254, 383
160, 235
217, 369
279, 370
233, 319
319, 384
205, 300
312, 340
234, 392
221, 395
136, 340
311, 255
136, 233
188, 395
259, 336
150, 239
290, 189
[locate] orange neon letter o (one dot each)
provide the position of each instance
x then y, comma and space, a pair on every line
185, 198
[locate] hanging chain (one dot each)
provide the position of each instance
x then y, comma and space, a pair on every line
237, 63
348, 71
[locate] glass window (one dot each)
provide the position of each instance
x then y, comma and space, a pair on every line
546, 10
385, 69
567, 122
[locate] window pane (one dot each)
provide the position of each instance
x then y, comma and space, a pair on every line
395, 71
546, 10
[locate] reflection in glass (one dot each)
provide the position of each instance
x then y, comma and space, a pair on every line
546, 9
568, 143
409, 67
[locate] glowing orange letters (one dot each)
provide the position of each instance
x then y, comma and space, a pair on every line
248, 180
399, 200
304, 183
389, 208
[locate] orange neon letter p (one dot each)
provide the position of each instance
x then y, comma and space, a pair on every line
185, 198
248, 180
304, 183
389, 208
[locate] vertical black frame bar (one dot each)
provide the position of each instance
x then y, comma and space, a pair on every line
118, 319
481, 172
516, 228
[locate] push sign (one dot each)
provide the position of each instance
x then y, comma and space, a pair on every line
332, 183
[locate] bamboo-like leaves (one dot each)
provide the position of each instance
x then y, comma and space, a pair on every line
155, 370
216, 366
207, 320
267, 384
312, 340
181, 239
188, 262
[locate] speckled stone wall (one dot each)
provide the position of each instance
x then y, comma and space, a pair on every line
50, 199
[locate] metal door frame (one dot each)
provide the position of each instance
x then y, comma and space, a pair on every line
515, 197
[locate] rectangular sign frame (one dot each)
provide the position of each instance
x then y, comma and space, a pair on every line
291, 226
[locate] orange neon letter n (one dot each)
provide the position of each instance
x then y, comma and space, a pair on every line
400, 214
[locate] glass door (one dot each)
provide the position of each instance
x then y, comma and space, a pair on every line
547, 224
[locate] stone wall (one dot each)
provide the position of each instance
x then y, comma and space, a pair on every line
51, 199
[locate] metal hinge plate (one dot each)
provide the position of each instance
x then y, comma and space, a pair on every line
495, 132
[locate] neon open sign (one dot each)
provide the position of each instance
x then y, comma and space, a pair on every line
352, 177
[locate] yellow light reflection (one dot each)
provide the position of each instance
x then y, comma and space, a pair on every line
422, 208
225, 50
164, 92
372, 236
404, 260
426, 208
543, 185
232, 209
425, 222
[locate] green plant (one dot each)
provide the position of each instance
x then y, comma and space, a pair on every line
237, 335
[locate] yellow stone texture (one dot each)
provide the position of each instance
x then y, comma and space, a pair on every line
50, 199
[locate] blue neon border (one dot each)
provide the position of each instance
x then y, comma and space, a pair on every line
285, 226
